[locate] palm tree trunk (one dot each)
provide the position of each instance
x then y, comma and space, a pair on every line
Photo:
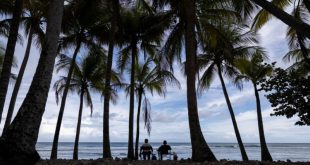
63, 103
78, 127
232, 115
301, 27
107, 92
307, 4
130, 154
9, 53
138, 126
200, 149
303, 49
264, 149
18, 82
17, 145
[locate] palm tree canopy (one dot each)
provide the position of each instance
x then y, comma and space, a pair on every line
150, 78
252, 69
88, 74
80, 22
147, 30
221, 50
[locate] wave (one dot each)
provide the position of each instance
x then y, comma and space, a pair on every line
252, 146
226, 146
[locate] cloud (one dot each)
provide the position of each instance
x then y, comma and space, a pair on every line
169, 114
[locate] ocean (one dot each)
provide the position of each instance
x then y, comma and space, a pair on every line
230, 151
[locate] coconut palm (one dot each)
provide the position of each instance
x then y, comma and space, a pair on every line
88, 75
115, 6
17, 145
253, 70
301, 27
33, 21
189, 19
218, 59
296, 39
143, 32
149, 78
9, 53
78, 27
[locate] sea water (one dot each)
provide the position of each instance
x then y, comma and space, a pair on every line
230, 151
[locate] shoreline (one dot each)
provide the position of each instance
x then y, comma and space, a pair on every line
161, 162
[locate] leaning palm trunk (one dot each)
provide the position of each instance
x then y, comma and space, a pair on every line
307, 4
63, 103
107, 92
78, 128
264, 149
18, 82
130, 153
232, 115
200, 149
301, 27
138, 126
303, 49
9, 54
17, 145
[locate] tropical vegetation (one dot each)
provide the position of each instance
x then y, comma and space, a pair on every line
254, 71
148, 40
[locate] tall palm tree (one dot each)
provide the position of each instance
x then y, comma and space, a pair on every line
218, 58
88, 75
115, 6
143, 32
253, 70
80, 19
189, 18
149, 78
17, 145
9, 53
33, 27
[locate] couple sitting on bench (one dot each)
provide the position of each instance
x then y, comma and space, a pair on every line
146, 150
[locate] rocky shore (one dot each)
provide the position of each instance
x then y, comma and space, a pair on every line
166, 162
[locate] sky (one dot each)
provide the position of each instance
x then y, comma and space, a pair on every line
169, 114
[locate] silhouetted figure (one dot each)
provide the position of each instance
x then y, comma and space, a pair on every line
146, 150
163, 150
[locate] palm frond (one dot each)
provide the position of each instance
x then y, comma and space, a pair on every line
147, 115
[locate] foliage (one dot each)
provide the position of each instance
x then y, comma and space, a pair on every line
253, 69
289, 94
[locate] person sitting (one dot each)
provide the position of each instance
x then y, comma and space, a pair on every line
146, 150
163, 150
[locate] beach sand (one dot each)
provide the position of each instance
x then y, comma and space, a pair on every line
157, 162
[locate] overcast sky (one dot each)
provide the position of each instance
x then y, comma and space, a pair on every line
169, 114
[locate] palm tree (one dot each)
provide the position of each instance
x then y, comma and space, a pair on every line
17, 145
218, 59
88, 75
2, 50
149, 78
9, 53
301, 27
189, 16
143, 31
252, 70
296, 40
107, 93
78, 32
33, 27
